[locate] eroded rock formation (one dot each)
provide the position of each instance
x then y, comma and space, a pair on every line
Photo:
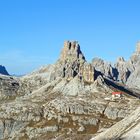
71, 51
72, 63
70, 99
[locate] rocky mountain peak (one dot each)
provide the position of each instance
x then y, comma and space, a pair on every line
136, 55
72, 64
121, 59
71, 51
3, 70
138, 47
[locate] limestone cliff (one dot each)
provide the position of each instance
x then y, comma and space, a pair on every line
72, 63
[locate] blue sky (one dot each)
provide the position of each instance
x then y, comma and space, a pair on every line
32, 32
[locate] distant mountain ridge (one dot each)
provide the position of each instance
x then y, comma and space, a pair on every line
3, 70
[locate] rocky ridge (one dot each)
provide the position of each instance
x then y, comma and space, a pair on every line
70, 99
122, 71
127, 129
3, 70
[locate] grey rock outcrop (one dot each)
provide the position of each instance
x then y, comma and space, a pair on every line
127, 129
134, 78
129, 70
10, 128
124, 70
71, 58
8, 87
104, 67
72, 63
136, 55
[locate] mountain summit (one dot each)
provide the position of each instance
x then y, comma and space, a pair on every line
138, 47
72, 63
3, 70
71, 50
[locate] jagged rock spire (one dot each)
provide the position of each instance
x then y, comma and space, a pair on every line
72, 63
71, 51
138, 47
136, 55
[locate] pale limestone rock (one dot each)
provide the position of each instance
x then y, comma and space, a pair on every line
71, 51
81, 128
9, 87
126, 129
66, 97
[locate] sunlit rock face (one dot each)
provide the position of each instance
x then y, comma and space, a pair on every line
136, 55
138, 47
71, 52
87, 73
124, 69
134, 79
72, 63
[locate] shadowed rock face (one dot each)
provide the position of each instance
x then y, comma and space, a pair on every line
104, 67
3, 70
8, 87
122, 71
